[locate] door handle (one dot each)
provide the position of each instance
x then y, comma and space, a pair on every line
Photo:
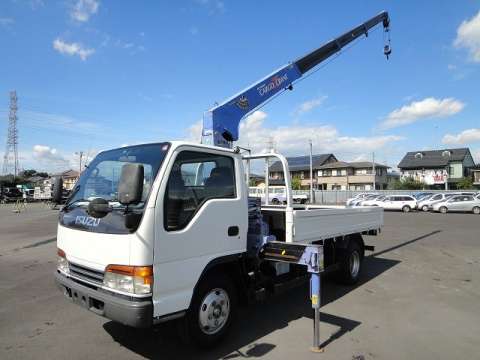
233, 231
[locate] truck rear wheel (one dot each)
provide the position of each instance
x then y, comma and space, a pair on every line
212, 310
351, 260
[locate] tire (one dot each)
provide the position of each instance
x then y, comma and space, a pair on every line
443, 210
476, 210
425, 208
406, 209
351, 260
214, 300
275, 201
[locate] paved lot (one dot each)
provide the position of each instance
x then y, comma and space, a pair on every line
418, 299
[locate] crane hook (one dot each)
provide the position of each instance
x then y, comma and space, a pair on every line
387, 50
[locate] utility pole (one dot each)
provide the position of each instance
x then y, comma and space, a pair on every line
80, 156
311, 171
12, 137
374, 172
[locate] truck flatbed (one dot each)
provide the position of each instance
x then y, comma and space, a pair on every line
314, 222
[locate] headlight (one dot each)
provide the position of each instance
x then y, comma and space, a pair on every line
62, 263
130, 279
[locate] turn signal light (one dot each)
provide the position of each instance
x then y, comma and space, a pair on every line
131, 279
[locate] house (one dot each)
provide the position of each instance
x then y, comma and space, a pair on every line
359, 175
300, 167
476, 175
437, 169
69, 177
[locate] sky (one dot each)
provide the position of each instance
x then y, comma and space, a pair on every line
97, 74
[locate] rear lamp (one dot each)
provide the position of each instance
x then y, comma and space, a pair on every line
131, 279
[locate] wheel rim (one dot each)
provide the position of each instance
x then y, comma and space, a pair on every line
214, 311
406, 209
425, 208
443, 210
354, 264
476, 210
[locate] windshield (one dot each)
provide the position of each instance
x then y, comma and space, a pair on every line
100, 180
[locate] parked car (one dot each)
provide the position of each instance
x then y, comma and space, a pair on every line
465, 203
427, 203
376, 201
406, 203
11, 194
422, 195
357, 198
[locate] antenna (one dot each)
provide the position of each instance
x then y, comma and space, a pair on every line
12, 138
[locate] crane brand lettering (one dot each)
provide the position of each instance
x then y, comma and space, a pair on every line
87, 221
272, 84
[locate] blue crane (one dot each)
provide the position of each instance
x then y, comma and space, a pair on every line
220, 124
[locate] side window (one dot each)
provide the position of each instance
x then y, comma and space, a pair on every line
195, 178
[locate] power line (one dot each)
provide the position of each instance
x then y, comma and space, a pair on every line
12, 138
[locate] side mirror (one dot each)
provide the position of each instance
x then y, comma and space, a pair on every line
130, 186
57, 190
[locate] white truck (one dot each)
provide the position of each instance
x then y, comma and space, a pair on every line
164, 231
139, 242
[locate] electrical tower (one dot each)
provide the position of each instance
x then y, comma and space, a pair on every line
12, 138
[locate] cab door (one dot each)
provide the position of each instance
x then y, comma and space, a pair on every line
201, 215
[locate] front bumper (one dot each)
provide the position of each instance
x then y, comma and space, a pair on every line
137, 312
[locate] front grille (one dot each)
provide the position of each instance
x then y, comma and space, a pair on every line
87, 274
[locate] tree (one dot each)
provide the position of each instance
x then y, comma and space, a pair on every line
28, 173
408, 184
296, 183
465, 183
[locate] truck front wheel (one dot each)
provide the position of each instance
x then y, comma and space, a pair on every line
212, 310
351, 260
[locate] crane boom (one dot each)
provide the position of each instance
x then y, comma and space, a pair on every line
220, 124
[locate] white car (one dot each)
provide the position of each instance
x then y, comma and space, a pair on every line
406, 203
357, 198
427, 203
376, 201
465, 203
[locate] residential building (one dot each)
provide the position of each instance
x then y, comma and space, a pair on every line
69, 177
437, 169
359, 175
300, 167
476, 175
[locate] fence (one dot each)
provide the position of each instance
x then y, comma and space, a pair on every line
341, 196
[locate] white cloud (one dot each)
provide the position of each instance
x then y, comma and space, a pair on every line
6, 22
423, 109
83, 9
465, 137
72, 49
56, 122
468, 37
49, 157
293, 140
213, 5
310, 105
